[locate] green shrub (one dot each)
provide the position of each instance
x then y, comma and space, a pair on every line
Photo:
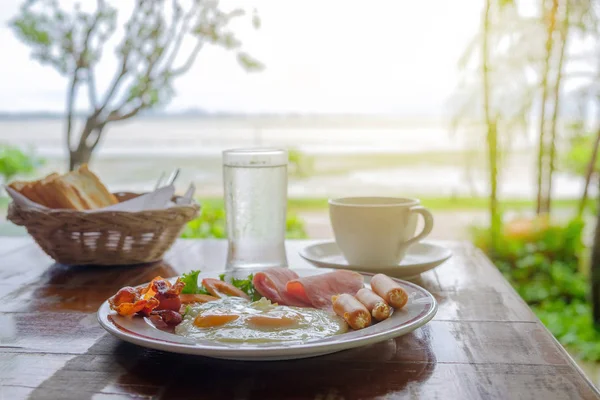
579, 153
295, 227
542, 262
15, 162
300, 164
212, 224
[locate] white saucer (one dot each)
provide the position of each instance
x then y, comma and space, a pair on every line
420, 257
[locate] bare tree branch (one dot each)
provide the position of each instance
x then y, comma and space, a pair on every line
113, 88
126, 52
84, 60
90, 124
70, 104
491, 124
98, 132
564, 34
73, 43
91, 83
179, 36
117, 116
177, 12
588, 175
542, 194
190, 61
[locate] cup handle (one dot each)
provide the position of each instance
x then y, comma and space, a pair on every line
427, 218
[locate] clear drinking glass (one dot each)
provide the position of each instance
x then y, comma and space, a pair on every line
255, 182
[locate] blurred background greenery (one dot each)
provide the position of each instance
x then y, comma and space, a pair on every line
15, 162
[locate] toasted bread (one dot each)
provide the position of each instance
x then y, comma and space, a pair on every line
92, 193
65, 195
44, 192
18, 185
27, 190
78, 190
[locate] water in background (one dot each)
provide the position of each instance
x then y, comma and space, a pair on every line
133, 154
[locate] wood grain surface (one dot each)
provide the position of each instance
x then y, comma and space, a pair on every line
484, 342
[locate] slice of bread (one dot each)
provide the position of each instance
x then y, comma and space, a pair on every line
78, 190
27, 190
43, 190
90, 190
64, 195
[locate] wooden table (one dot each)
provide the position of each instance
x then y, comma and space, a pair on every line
483, 343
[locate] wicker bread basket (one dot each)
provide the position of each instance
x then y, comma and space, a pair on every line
105, 238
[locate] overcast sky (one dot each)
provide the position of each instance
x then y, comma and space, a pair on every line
396, 56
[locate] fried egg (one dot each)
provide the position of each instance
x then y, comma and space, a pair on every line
234, 319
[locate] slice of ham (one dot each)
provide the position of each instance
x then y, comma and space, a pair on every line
271, 284
317, 290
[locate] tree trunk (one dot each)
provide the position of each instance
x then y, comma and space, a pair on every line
556, 99
491, 134
78, 157
492, 142
83, 153
540, 206
595, 273
588, 176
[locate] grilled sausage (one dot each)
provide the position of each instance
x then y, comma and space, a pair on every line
353, 311
377, 306
389, 290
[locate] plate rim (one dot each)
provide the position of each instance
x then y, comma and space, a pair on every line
276, 352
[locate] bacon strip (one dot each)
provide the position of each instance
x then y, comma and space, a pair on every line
126, 294
126, 309
165, 318
167, 294
159, 294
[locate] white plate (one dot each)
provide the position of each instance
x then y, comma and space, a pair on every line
419, 258
419, 310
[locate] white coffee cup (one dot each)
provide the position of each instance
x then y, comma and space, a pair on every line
377, 231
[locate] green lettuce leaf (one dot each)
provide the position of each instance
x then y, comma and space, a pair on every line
245, 285
191, 283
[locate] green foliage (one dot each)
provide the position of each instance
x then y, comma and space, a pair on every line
506, 3
245, 285
15, 162
301, 164
191, 283
212, 223
295, 227
579, 154
192, 287
150, 54
63, 39
248, 62
542, 261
